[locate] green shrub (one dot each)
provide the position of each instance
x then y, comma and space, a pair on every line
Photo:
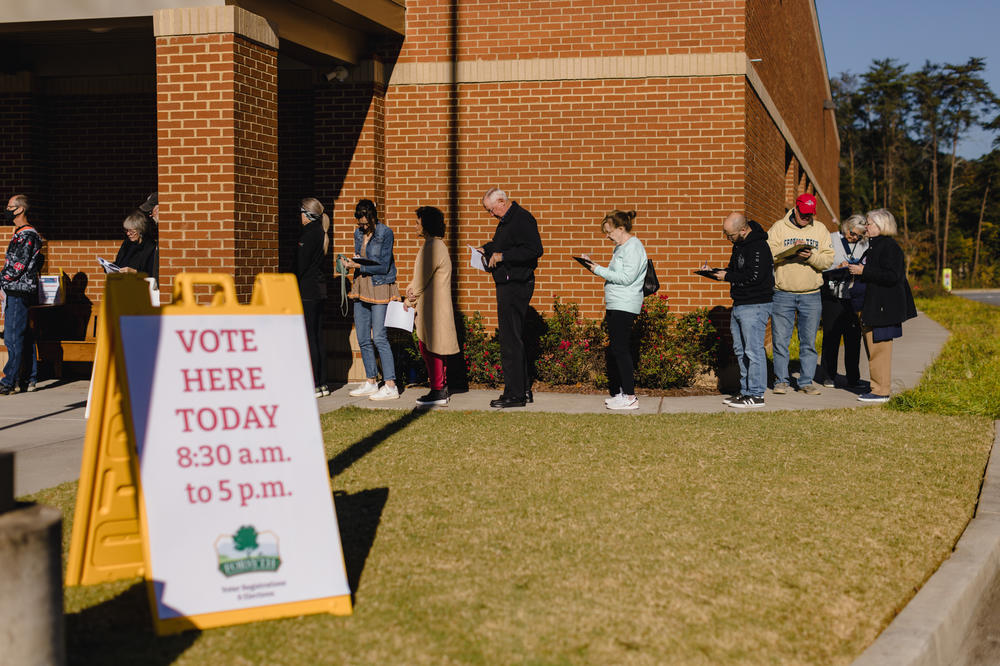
673, 350
571, 351
481, 352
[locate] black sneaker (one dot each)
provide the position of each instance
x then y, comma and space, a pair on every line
733, 398
435, 397
6, 390
747, 402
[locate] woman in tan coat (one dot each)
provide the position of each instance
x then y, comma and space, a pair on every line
430, 293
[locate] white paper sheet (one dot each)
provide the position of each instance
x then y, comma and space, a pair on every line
398, 317
476, 259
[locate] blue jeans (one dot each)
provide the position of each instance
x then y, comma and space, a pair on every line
809, 307
369, 321
748, 324
17, 339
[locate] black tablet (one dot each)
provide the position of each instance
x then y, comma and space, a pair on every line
586, 263
363, 261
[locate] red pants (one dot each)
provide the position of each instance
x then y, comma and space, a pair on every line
437, 370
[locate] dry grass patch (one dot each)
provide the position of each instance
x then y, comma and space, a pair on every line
594, 539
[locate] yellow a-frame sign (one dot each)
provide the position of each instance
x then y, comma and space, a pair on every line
203, 468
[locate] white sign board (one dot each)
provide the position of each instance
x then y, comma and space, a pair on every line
233, 472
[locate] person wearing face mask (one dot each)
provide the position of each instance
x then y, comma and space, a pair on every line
373, 286
19, 282
843, 296
314, 243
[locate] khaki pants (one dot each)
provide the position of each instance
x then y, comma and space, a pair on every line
879, 363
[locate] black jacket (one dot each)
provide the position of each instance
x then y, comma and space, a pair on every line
309, 261
140, 256
888, 301
517, 239
750, 272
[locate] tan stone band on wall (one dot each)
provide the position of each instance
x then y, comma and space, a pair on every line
570, 69
212, 20
617, 67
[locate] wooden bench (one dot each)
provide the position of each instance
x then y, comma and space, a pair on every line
64, 333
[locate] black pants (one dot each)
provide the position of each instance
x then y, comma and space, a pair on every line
841, 321
312, 309
618, 355
512, 307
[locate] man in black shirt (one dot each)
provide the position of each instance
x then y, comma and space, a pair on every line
512, 257
751, 286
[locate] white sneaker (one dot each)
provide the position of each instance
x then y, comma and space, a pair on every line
625, 402
366, 388
608, 401
385, 393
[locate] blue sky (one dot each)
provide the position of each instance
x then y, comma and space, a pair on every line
855, 32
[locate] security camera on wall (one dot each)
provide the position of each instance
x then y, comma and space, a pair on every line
338, 73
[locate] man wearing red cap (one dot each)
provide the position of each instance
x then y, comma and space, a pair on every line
802, 251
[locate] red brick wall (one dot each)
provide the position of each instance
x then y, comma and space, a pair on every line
782, 35
671, 149
491, 30
217, 150
256, 162
765, 159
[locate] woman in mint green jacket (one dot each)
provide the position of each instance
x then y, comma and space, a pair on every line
623, 278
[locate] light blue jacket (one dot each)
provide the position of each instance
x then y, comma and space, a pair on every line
624, 276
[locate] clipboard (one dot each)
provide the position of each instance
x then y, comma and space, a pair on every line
584, 262
706, 273
364, 261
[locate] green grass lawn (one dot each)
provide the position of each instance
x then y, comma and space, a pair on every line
495, 538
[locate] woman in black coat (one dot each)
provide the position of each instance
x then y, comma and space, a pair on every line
138, 251
888, 301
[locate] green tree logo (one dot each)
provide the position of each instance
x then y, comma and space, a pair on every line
245, 539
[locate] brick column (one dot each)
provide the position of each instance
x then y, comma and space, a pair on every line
217, 99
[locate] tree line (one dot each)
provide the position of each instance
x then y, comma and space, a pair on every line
899, 133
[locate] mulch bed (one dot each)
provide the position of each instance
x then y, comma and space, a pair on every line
590, 389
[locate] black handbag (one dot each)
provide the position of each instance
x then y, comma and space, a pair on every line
651, 284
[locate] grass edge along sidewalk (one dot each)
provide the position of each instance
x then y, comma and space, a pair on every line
490, 538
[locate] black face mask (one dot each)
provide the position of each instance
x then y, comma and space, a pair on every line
10, 214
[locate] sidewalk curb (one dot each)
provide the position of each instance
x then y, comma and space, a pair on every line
931, 628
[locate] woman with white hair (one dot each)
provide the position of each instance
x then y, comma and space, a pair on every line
888, 300
843, 296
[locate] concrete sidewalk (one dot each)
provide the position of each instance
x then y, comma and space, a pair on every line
45, 428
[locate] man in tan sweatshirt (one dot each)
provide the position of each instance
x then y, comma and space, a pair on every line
802, 250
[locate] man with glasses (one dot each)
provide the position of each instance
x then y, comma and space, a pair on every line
802, 250
512, 257
19, 281
751, 286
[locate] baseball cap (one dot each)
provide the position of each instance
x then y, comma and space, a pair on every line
806, 203
148, 205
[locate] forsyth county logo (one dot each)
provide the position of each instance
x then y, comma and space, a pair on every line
247, 551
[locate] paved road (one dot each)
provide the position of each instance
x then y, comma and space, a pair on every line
988, 296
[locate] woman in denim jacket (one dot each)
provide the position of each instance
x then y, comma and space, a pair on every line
374, 285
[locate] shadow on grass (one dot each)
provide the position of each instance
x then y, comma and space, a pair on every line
358, 516
366, 445
120, 631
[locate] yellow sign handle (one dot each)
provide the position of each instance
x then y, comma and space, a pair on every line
225, 288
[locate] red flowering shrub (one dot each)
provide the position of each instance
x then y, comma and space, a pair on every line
572, 349
673, 350
481, 352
